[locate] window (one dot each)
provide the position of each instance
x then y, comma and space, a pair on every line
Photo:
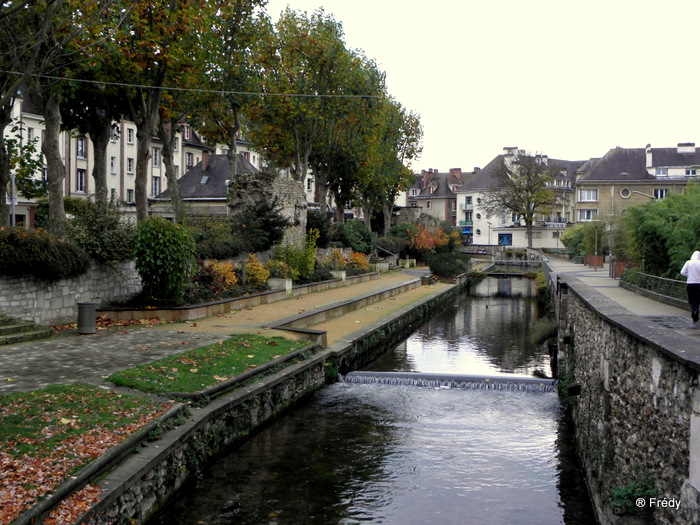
80, 147
414, 204
113, 165
468, 216
130, 165
505, 239
414, 193
453, 205
80, 181
187, 133
588, 196
129, 135
129, 196
478, 216
155, 186
113, 194
428, 204
188, 161
691, 171
468, 202
156, 157
663, 172
309, 182
587, 215
660, 193
114, 134
30, 134
625, 193
478, 231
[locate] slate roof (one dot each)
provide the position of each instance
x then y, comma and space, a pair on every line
488, 178
210, 184
619, 164
441, 183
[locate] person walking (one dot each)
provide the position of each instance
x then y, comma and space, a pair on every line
691, 271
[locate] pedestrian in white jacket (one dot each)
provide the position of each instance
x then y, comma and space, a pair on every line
691, 271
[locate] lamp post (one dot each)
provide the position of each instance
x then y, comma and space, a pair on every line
595, 249
488, 240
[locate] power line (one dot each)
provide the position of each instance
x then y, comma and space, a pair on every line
191, 90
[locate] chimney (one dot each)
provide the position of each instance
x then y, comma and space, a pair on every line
456, 172
205, 160
650, 160
686, 147
477, 169
510, 151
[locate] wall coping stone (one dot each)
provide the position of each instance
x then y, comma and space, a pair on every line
668, 342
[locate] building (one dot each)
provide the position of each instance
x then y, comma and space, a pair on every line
607, 186
78, 158
435, 193
506, 228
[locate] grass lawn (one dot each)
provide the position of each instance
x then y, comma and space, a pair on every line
195, 370
47, 435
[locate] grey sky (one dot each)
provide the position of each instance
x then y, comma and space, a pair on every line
562, 78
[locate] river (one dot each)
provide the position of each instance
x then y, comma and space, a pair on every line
372, 453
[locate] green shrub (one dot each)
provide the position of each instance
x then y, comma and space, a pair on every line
259, 226
40, 254
103, 232
395, 245
299, 261
315, 220
164, 255
214, 238
448, 264
354, 234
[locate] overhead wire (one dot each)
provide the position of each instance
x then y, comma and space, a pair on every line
193, 90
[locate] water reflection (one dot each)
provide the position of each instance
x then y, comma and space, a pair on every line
394, 454
488, 336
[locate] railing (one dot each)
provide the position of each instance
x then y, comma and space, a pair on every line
652, 283
466, 223
464, 206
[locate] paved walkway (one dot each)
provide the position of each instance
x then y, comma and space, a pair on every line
670, 317
70, 357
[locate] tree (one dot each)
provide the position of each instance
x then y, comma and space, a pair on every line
155, 40
299, 61
232, 71
665, 232
522, 189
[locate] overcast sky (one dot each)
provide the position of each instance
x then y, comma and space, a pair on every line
566, 79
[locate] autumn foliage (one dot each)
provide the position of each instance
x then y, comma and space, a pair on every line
48, 435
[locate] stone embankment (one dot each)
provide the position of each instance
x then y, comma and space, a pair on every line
635, 400
143, 482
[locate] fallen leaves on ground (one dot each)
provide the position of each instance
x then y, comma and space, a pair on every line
102, 323
45, 438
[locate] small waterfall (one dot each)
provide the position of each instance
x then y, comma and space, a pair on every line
467, 382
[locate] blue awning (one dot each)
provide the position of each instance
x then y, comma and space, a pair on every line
467, 231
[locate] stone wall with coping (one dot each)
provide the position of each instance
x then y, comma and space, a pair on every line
48, 303
638, 411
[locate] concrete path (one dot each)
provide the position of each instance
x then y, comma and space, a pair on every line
70, 357
664, 315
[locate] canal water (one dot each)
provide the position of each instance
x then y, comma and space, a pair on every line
391, 454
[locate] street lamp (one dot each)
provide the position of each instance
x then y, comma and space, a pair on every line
488, 240
595, 249
652, 197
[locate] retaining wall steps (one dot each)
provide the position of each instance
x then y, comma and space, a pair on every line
13, 331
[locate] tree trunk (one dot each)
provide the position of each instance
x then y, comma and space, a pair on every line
5, 178
388, 209
146, 128
528, 227
167, 138
100, 135
55, 169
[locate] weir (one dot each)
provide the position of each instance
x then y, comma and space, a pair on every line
457, 381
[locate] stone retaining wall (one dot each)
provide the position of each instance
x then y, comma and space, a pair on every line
635, 403
56, 303
143, 483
